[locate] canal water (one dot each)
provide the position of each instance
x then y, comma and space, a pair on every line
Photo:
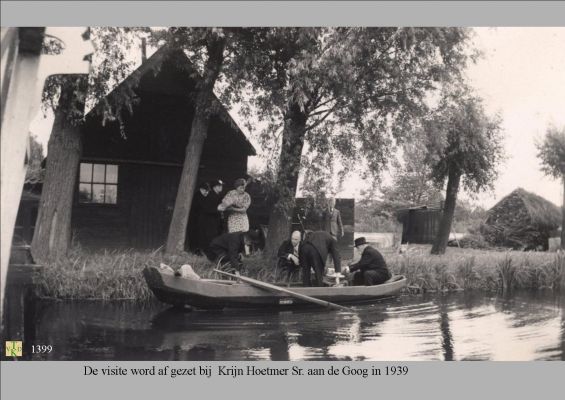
463, 326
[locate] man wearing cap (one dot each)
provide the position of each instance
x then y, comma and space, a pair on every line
314, 253
371, 268
212, 217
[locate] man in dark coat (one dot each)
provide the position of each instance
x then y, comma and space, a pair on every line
371, 268
209, 222
331, 219
289, 254
314, 253
196, 213
229, 246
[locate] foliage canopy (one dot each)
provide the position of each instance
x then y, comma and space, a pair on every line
552, 152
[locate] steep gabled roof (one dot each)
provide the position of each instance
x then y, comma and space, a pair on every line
153, 63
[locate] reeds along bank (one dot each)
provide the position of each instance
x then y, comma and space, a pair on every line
117, 275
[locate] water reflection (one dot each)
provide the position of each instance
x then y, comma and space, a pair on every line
446, 339
523, 326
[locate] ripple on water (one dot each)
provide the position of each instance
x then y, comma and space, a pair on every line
460, 327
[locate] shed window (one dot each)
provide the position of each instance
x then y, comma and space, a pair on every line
98, 183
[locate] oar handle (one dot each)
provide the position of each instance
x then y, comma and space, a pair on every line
276, 289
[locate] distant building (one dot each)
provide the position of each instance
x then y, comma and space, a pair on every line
419, 224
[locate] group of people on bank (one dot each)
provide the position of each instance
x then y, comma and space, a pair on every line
224, 243
312, 252
216, 214
222, 221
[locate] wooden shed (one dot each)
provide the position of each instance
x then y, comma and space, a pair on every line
129, 175
419, 224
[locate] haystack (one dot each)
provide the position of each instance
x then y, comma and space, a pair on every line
522, 221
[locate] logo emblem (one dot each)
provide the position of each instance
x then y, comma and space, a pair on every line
14, 348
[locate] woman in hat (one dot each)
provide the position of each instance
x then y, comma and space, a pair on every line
235, 204
209, 222
215, 199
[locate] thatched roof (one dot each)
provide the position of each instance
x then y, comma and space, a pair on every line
521, 220
543, 213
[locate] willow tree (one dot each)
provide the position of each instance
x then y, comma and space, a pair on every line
552, 155
346, 93
67, 97
464, 146
52, 233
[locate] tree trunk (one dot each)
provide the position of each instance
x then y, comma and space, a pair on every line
563, 217
52, 235
198, 133
287, 180
440, 242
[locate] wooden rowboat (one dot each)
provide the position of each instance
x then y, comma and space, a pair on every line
218, 294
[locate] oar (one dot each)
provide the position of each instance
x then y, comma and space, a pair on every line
277, 289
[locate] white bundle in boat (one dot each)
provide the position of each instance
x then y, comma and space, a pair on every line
166, 268
186, 271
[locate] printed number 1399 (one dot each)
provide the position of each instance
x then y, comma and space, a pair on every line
41, 348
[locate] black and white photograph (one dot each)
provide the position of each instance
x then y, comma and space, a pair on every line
279, 193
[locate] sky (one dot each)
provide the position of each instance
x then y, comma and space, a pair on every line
521, 76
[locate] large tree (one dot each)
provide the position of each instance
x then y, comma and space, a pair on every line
67, 96
346, 92
552, 154
464, 146
52, 234
210, 44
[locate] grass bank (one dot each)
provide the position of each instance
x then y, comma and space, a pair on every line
117, 275
113, 275
469, 269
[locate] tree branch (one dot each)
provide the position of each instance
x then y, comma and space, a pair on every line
322, 119
321, 105
319, 112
